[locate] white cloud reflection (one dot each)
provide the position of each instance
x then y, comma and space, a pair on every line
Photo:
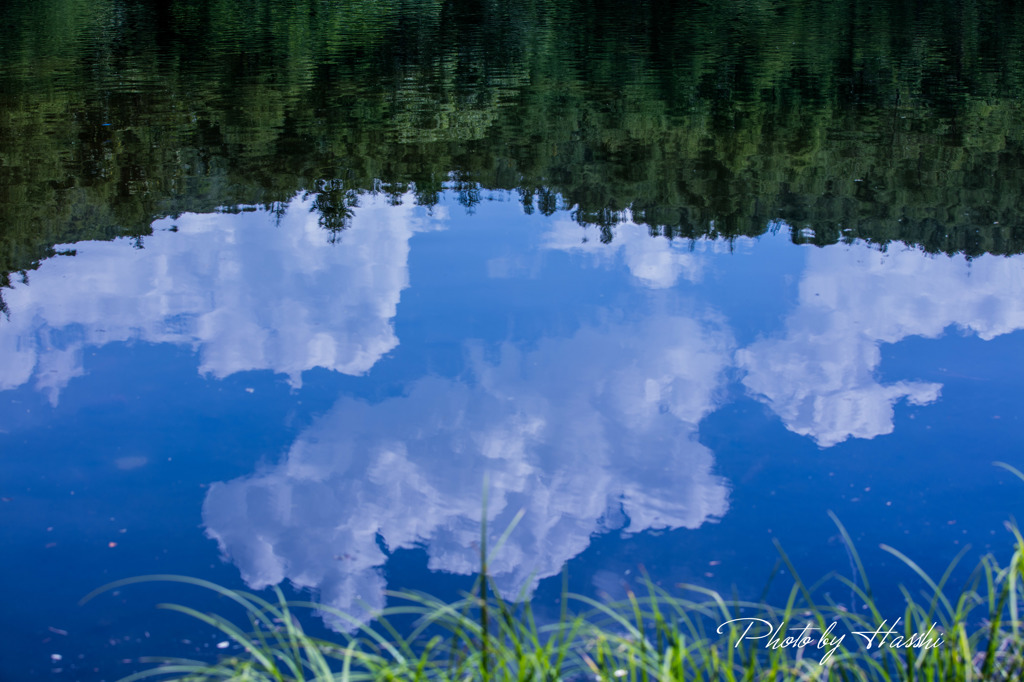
820, 376
246, 293
585, 434
657, 262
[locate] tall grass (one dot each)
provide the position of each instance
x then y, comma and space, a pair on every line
693, 634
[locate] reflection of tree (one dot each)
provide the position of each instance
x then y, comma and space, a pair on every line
711, 120
467, 194
334, 202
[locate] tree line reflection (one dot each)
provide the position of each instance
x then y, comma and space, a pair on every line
713, 121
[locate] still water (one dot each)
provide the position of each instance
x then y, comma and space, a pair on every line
289, 284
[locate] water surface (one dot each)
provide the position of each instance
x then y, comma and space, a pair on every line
288, 283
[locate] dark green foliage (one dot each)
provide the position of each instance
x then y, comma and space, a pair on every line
849, 120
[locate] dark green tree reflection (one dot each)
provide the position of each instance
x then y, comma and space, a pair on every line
848, 120
335, 204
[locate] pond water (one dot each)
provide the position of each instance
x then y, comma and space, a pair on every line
289, 284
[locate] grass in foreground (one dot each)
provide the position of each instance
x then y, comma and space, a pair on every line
698, 635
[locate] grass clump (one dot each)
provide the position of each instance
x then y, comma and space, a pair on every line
974, 634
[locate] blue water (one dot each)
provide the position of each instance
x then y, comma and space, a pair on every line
243, 401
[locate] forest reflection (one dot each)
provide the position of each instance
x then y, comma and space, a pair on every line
695, 121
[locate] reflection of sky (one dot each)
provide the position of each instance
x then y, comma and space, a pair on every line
820, 375
584, 434
588, 425
248, 294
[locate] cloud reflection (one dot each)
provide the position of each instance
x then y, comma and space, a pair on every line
657, 262
820, 376
246, 293
585, 434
